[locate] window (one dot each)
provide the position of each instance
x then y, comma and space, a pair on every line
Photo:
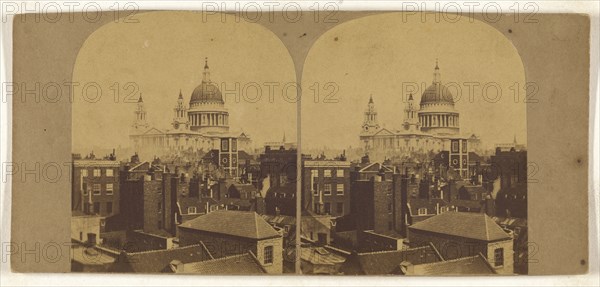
97, 207
327, 189
159, 207
499, 257
314, 173
84, 189
327, 173
339, 173
340, 189
109, 207
109, 172
317, 208
268, 255
340, 208
443, 209
96, 188
97, 172
389, 207
422, 211
84, 173
192, 210
327, 208
109, 188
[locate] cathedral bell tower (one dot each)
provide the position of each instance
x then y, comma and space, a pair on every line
140, 122
370, 124
411, 119
180, 120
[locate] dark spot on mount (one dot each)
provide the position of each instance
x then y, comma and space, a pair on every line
579, 161
335, 39
302, 35
509, 30
582, 261
284, 34
44, 129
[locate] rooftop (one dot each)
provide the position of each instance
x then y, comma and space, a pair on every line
388, 262
241, 264
471, 225
475, 265
247, 224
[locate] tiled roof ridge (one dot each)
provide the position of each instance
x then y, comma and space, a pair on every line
391, 251
453, 260
161, 250
222, 258
257, 261
487, 232
256, 223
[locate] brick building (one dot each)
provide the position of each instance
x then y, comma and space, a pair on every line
95, 188
227, 233
326, 186
379, 200
510, 167
463, 234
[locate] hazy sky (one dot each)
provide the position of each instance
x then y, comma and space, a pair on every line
375, 55
165, 53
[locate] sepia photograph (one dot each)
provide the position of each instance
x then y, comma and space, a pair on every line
190, 167
310, 143
424, 172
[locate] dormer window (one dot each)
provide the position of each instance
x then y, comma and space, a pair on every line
422, 211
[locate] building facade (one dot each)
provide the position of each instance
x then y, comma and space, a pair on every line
430, 127
200, 125
95, 188
326, 186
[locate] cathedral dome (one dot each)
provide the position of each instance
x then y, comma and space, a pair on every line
207, 92
437, 94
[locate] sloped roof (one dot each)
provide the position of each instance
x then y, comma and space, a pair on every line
247, 224
388, 262
320, 256
471, 225
249, 188
415, 203
240, 264
157, 261
475, 265
376, 167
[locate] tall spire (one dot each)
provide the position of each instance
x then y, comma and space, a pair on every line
206, 74
180, 95
140, 99
283, 140
370, 99
437, 78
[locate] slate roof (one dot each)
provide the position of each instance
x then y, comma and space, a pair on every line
241, 264
388, 262
471, 225
320, 256
247, 224
475, 265
430, 204
157, 261
245, 188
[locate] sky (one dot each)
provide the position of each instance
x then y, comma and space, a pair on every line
377, 56
382, 55
165, 53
